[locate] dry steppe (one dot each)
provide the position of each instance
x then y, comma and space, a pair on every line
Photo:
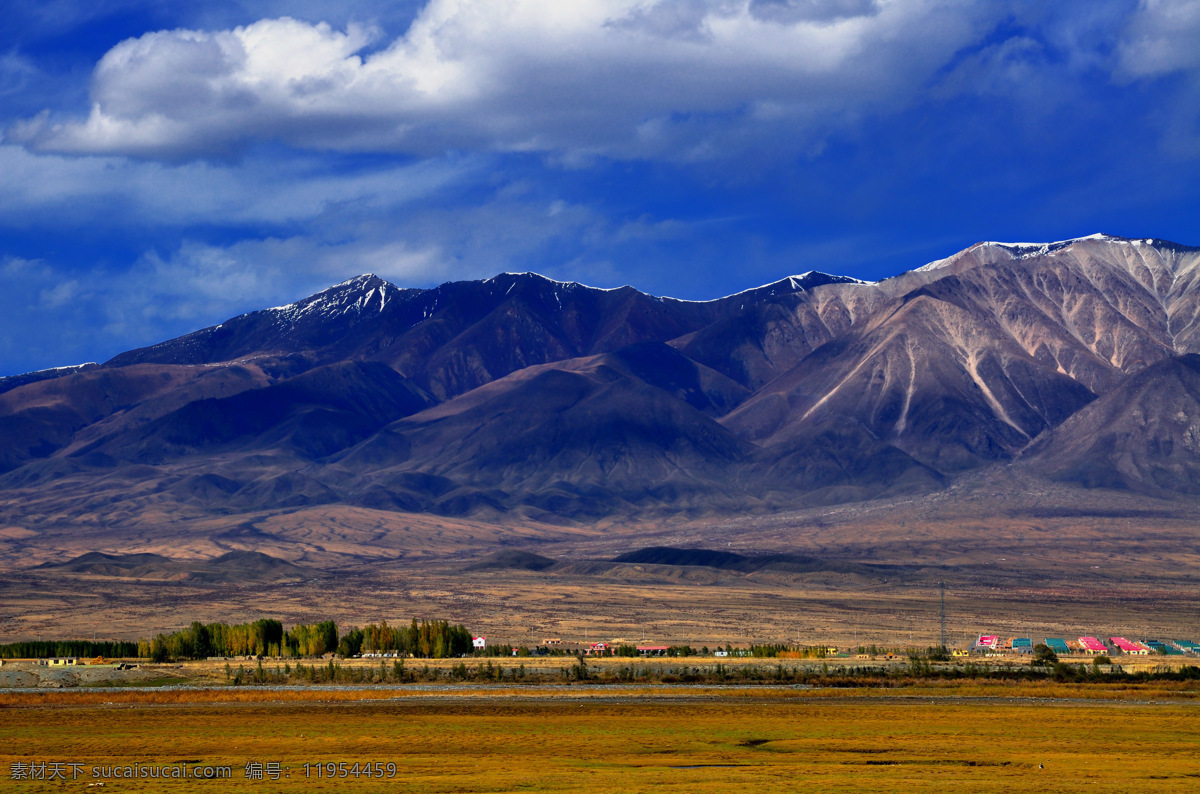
1040, 563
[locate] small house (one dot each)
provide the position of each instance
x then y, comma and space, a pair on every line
1058, 645
479, 642
987, 643
1129, 648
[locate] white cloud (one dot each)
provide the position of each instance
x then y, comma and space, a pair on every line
113, 191
101, 309
1162, 36
626, 78
60, 294
16, 72
107, 310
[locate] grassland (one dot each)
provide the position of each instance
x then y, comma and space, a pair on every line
613, 738
697, 607
1035, 573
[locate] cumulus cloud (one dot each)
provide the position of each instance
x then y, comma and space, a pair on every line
624, 78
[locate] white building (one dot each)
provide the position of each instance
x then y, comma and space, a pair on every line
479, 642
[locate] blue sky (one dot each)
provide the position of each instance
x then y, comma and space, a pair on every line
164, 167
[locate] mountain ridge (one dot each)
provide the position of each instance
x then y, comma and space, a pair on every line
520, 395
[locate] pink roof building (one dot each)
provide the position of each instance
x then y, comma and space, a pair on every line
1127, 647
1092, 645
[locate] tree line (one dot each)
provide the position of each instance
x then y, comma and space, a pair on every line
48, 649
434, 639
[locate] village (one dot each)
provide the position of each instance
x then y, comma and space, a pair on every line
991, 646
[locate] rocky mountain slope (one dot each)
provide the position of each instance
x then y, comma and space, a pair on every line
520, 395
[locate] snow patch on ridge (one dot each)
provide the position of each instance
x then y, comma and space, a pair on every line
49, 373
68, 367
568, 284
788, 283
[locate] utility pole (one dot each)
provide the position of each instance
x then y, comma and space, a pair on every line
942, 613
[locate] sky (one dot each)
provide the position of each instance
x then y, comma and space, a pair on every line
165, 166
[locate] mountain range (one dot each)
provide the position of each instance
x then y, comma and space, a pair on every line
1076, 361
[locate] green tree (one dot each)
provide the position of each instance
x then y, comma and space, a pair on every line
327, 631
351, 643
1043, 654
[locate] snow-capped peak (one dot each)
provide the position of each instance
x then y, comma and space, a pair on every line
798, 283
358, 294
1028, 250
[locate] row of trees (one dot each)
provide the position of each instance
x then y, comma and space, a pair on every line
47, 649
429, 639
264, 637
434, 639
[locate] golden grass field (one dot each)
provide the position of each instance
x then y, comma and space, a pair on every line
620, 739
1033, 571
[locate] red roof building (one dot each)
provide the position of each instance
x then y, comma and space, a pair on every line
1129, 648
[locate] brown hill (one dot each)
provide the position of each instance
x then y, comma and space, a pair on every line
580, 439
744, 563
1144, 435
513, 559
312, 415
230, 568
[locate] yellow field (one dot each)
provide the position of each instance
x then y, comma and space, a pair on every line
613, 738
